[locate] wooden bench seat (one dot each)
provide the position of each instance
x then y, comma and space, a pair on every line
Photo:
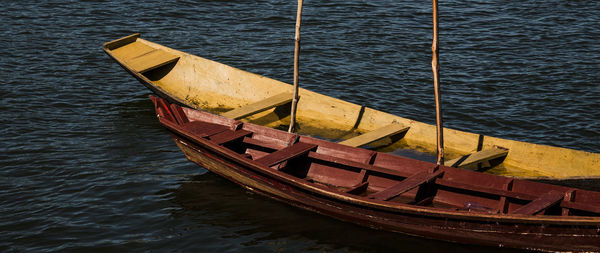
517, 195
151, 60
482, 189
260, 106
229, 136
375, 135
263, 144
204, 129
539, 204
287, 153
473, 159
368, 167
441, 182
406, 185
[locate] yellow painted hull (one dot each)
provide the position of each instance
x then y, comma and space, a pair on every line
208, 85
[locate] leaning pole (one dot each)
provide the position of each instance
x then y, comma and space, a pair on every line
436, 86
296, 59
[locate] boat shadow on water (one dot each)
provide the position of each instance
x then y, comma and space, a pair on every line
213, 201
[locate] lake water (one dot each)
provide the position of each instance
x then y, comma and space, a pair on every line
85, 166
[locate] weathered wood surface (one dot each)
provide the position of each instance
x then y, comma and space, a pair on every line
488, 190
203, 129
435, 67
375, 135
580, 206
406, 185
287, 153
477, 157
141, 57
293, 110
263, 144
151, 60
345, 162
112, 45
207, 85
228, 136
317, 175
359, 188
537, 205
260, 106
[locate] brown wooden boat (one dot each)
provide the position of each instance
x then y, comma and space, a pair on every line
386, 191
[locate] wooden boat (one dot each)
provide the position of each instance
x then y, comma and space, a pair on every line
386, 191
211, 86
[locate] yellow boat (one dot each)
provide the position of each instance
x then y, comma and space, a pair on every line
207, 85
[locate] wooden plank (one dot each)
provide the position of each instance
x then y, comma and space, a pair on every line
588, 207
503, 204
287, 153
203, 129
441, 182
375, 135
492, 191
516, 195
537, 205
406, 185
362, 176
260, 106
358, 189
569, 196
263, 144
477, 157
229, 136
112, 45
179, 114
354, 164
132, 50
151, 60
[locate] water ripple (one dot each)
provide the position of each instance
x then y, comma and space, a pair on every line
85, 166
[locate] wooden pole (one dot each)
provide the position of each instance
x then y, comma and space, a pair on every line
296, 59
436, 86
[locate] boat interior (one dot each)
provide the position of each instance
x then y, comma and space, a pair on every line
378, 177
203, 84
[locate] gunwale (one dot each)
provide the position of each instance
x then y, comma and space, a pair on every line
525, 160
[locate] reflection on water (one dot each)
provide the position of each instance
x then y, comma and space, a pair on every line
264, 223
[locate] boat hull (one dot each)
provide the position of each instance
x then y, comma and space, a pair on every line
207, 85
512, 234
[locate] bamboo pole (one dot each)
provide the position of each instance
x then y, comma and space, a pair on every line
296, 59
436, 86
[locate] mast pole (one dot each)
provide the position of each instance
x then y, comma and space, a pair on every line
296, 59
436, 86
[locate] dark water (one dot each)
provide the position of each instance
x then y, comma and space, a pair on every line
85, 166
